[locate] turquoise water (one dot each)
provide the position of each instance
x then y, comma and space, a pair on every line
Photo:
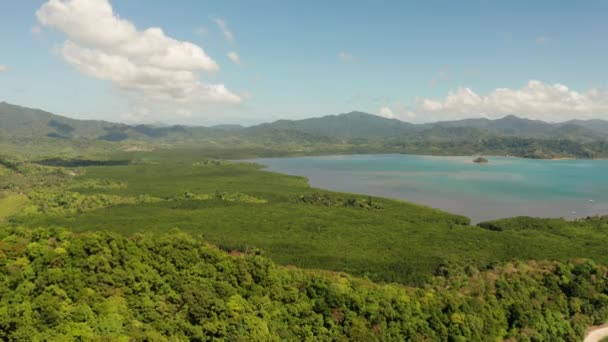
504, 187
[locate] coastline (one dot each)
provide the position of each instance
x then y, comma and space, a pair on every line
478, 207
300, 154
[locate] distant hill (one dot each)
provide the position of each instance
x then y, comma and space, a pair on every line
348, 125
598, 126
354, 132
512, 125
368, 126
17, 121
28, 122
228, 127
509, 124
22, 121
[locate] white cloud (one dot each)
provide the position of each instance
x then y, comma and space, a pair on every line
3, 67
146, 64
347, 57
234, 57
221, 23
386, 112
397, 111
536, 100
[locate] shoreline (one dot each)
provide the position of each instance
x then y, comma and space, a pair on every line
287, 154
570, 211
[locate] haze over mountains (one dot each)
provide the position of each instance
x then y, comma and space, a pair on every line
18, 121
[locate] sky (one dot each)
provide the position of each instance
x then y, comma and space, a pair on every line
206, 62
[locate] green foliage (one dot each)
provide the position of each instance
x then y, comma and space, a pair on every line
327, 200
238, 197
11, 204
472, 282
244, 208
211, 162
57, 285
191, 196
98, 184
221, 196
556, 226
55, 201
38, 133
61, 202
239, 205
18, 176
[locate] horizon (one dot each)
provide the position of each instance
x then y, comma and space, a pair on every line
224, 63
164, 124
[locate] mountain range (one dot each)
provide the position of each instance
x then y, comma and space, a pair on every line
362, 131
22, 121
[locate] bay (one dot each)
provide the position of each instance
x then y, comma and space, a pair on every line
503, 187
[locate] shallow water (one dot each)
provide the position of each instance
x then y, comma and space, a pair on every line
504, 187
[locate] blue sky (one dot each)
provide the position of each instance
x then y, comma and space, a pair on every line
311, 58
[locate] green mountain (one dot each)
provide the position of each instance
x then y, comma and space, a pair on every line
354, 132
348, 125
512, 125
598, 126
509, 124
367, 126
17, 121
24, 122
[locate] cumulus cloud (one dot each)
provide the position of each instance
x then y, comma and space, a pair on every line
397, 111
3, 67
234, 57
386, 112
221, 23
347, 57
536, 100
146, 63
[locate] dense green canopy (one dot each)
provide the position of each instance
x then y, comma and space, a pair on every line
149, 282
57, 285
26, 130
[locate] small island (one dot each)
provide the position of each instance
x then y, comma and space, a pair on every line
480, 160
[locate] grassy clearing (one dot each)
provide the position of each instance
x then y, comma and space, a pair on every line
11, 204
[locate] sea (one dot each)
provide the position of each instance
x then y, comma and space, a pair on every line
503, 187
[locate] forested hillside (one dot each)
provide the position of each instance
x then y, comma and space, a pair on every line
240, 207
40, 132
58, 285
65, 276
